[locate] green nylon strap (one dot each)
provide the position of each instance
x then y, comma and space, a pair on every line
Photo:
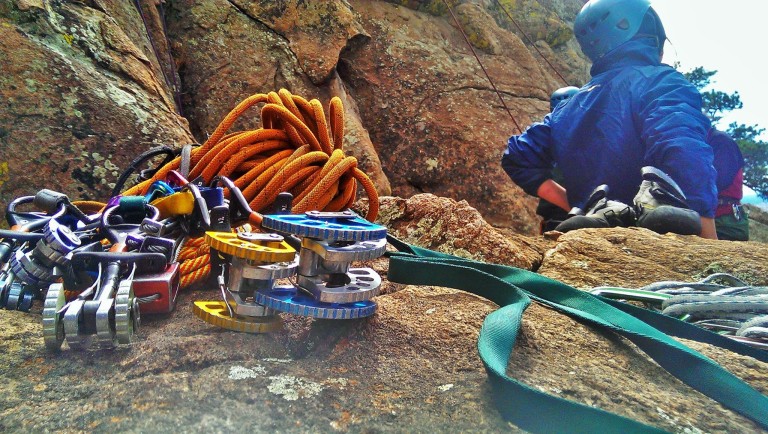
512, 289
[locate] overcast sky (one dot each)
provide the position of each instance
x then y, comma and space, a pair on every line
729, 37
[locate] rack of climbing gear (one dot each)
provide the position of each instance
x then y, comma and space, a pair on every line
327, 286
296, 153
197, 218
99, 297
720, 302
83, 267
37, 248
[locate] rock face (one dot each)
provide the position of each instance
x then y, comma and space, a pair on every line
582, 257
88, 85
442, 224
413, 366
435, 120
96, 82
83, 94
758, 224
230, 50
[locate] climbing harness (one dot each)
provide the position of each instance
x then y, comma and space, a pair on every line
535, 411
731, 308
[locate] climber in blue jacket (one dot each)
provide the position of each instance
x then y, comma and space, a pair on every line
634, 113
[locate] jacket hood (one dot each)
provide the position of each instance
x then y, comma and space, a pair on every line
636, 52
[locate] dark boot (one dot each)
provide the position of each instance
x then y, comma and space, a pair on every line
661, 207
551, 215
600, 213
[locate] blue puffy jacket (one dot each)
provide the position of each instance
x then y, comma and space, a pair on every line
634, 112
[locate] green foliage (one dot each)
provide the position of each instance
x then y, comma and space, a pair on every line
755, 165
755, 154
715, 103
744, 132
699, 77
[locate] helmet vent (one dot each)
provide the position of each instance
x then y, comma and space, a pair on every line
593, 25
623, 24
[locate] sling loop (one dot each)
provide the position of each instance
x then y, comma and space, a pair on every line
535, 411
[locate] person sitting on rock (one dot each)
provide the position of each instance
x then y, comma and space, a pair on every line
637, 123
731, 221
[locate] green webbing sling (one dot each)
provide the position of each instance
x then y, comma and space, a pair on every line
532, 410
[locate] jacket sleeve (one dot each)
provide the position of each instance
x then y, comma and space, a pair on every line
674, 130
528, 157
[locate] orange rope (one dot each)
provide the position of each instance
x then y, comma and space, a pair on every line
192, 252
227, 123
193, 264
195, 276
195, 242
89, 206
322, 128
337, 122
296, 149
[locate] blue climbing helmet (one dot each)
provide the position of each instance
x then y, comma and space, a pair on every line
603, 25
561, 94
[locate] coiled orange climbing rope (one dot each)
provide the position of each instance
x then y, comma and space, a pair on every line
296, 150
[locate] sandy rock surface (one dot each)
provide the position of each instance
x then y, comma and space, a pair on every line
412, 367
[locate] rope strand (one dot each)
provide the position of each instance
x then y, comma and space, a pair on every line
531, 42
469, 44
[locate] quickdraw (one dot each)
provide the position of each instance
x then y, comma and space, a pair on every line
731, 308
